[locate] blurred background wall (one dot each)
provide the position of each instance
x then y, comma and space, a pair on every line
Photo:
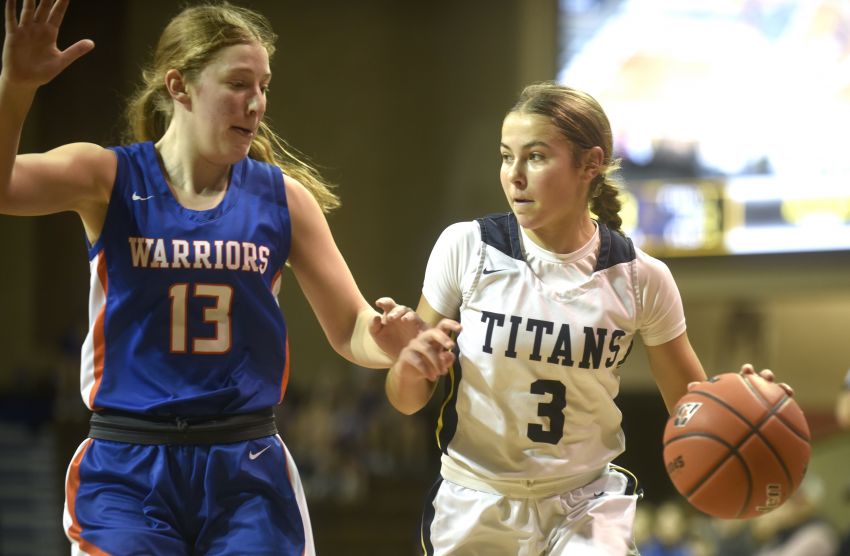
399, 103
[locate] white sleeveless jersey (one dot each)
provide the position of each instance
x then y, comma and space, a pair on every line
529, 404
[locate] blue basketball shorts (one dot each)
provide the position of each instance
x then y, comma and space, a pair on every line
133, 499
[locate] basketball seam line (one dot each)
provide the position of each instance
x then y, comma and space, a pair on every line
785, 399
774, 411
733, 451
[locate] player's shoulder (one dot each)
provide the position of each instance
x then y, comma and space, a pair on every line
86, 161
84, 149
463, 230
649, 263
457, 242
296, 192
615, 248
459, 237
90, 153
653, 274
501, 231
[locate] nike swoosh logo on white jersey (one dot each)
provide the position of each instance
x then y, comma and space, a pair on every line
252, 456
489, 271
137, 197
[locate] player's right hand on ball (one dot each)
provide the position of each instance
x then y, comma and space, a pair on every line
429, 354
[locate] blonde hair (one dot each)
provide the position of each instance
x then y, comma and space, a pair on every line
581, 119
188, 43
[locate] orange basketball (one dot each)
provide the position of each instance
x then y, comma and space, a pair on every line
736, 446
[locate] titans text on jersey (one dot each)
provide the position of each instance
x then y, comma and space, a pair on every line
561, 351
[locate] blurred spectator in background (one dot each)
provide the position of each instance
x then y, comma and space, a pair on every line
669, 532
732, 537
842, 407
842, 415
345, 435
644, 517
796, 528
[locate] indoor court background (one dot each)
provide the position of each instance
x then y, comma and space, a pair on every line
400, 103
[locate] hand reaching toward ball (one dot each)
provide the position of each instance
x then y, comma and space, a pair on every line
767, 374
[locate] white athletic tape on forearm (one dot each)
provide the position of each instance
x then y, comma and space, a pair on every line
363, 347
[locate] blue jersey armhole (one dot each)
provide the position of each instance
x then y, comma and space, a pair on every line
279, 181
120, 169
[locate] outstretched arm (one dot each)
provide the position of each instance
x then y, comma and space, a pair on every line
354, 329
73, 177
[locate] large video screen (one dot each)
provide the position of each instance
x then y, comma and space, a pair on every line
731, 118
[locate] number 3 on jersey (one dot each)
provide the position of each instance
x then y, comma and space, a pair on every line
552, 410
217, 314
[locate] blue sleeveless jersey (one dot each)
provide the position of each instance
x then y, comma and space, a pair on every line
183, 311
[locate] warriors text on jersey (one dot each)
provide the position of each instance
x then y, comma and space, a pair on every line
529, 404
183, 310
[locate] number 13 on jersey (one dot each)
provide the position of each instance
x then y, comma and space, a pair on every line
216, 314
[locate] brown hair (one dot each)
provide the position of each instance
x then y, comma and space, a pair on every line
581, 119
188, 43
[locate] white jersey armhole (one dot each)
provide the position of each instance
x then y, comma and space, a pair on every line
451, 273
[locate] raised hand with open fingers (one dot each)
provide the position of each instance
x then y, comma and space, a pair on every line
31, 56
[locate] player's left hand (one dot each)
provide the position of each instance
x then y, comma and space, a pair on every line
766, 374
395, 327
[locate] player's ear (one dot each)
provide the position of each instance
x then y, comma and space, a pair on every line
593, 159
176, 86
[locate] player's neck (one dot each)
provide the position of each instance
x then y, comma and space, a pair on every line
563, 239
195, 183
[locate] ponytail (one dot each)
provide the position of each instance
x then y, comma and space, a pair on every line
605, 203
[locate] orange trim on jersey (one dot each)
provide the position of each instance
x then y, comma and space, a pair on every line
99, 338
72, 485
285, 378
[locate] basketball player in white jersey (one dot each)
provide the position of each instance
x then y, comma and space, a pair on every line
547, 300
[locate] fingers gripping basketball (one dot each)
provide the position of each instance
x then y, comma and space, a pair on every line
736, 446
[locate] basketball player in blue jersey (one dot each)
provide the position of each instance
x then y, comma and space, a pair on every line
547, 301
188, 229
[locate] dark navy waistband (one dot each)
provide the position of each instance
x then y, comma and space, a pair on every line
141, 429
